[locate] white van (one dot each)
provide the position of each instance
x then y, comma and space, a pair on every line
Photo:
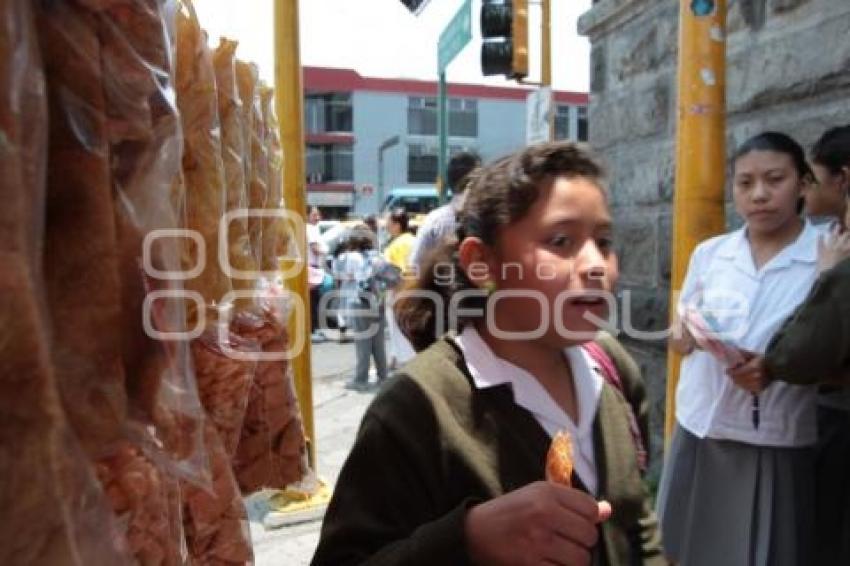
414, 200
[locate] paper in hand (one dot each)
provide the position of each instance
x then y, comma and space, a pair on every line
705, 332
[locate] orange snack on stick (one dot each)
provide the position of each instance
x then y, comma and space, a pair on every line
559, 459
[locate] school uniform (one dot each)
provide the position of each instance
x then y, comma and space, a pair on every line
459, 426
813, 345
738, 489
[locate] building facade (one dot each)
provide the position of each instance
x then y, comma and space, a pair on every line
788, 69
366, 135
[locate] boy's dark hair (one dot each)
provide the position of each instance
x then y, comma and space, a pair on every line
460, 166
498, 194
399, 216
832, 150
780, 143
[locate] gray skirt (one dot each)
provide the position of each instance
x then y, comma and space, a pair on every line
736, 504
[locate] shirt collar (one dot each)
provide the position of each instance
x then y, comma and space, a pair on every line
802, 249
488, 370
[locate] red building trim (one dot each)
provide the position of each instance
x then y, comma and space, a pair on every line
323, 79
330, 138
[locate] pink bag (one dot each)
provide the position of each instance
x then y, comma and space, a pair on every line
612, 376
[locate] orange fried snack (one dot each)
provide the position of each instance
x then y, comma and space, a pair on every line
559, 459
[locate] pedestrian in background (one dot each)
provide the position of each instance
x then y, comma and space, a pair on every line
827, 198
738, 481
398, 252
316, 251
441, 222
371, 222
812, 347
363, 304
448, 465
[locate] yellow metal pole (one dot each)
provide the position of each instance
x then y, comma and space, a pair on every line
700, 149
546, 60
546, 44
289, 101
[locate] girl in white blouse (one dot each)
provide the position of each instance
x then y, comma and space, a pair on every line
737, 483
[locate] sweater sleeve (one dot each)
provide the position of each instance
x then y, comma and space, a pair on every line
384, 509
813, 345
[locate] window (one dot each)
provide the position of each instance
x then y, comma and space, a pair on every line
330, 163
328, 112
422, 116
462, 116
564, 128
562, 122
582, 123
422, 161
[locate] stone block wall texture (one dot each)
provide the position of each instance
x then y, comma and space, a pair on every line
788, 69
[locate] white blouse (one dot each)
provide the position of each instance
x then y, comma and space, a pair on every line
749, 306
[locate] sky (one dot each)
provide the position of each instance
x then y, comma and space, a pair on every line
380, 38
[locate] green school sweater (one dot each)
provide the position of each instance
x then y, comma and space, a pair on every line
431, 445
814, 343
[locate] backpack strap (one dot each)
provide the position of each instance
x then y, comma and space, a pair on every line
612, 376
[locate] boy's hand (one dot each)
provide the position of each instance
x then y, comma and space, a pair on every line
541, 523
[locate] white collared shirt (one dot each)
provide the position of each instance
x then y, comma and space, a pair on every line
488, 370
749, 306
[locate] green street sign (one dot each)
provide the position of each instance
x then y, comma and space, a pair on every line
455, 37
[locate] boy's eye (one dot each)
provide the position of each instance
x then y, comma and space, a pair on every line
560, 240
605, 244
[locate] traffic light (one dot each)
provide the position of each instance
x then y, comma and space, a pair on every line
415, 6
504, 27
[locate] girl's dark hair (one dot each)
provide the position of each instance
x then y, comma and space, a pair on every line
399, 216
360, 239
832, 150
497, 194
780, 143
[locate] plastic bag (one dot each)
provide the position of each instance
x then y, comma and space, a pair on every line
234, 153
246, 84
224, 382
216, 523
147, 499
203, 170
53, 510
114, 158
145, 158
273, 449
81, 263
247, 77
276, 239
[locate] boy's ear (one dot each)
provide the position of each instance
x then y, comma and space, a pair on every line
475, 258
845, 172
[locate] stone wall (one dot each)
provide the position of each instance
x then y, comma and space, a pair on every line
788, 69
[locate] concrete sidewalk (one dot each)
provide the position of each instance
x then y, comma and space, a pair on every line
337, 415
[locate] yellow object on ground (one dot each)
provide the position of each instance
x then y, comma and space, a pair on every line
293, 505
